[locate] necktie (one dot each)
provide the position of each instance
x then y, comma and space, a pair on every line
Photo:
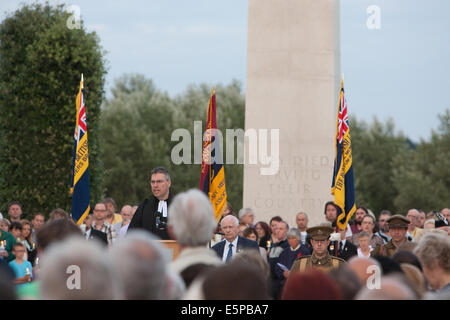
230, 252
340, 247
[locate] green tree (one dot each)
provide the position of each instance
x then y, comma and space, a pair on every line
374, 148
41, 61
135, 132
422, 176
192, 106
136, 129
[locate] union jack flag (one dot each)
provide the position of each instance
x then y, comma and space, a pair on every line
342, 186
80, 162
342, 118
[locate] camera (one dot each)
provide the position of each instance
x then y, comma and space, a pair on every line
161, 222
441, 222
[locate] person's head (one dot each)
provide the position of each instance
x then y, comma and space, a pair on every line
429, 224
413, 216
241, 228
415, 278
26, 229
7, 286
398, 226
294, 237
56, 231
310, 285
19, 249
274, 223
16, 229
160, 183
421, 219
253, 258
59, 213
262, 229
320, 238
363, 240
388, 265
363, 268
331, 211
446, 213
433, 252
281, 230
4, 224
391, 288
191, 218
302, 220
360, 213
88, 220
228, 210
368, 223
229, 225
110, 206
403, 256
220, 283
347, 281
126, 212
38, 221
246, 216
76, 269
250, 233
382, 220
100, 211
139, 265
15, 210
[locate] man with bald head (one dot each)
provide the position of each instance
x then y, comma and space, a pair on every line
127, 215
233, 243
360, 266
413, 229
391, 288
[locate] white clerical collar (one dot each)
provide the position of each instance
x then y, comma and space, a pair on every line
162, 207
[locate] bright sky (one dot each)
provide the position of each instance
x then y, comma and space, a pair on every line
399, 71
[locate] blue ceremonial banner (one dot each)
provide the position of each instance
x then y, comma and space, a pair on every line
80, 164
342, 186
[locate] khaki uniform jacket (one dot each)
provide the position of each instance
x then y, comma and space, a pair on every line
324, 264
387, 250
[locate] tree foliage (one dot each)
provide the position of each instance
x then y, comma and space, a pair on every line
395, 174
422, 176
136, 129
41, 61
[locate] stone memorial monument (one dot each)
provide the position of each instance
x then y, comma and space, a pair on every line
293, 78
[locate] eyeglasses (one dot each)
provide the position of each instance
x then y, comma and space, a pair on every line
100, 210
157, 181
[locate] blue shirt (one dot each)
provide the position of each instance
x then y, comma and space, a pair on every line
21, 270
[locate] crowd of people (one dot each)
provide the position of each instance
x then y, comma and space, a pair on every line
115, 256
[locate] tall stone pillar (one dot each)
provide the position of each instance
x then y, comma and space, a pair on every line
293, 78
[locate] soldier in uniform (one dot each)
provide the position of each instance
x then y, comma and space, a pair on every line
398, 226
320, 258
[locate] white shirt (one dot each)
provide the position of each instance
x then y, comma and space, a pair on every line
361, 254
123, 230
304, 235
227, 247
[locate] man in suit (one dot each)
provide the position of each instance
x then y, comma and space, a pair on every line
343, 249
233, 243
152, 213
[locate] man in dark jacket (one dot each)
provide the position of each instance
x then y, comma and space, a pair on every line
233, 243
151, 214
